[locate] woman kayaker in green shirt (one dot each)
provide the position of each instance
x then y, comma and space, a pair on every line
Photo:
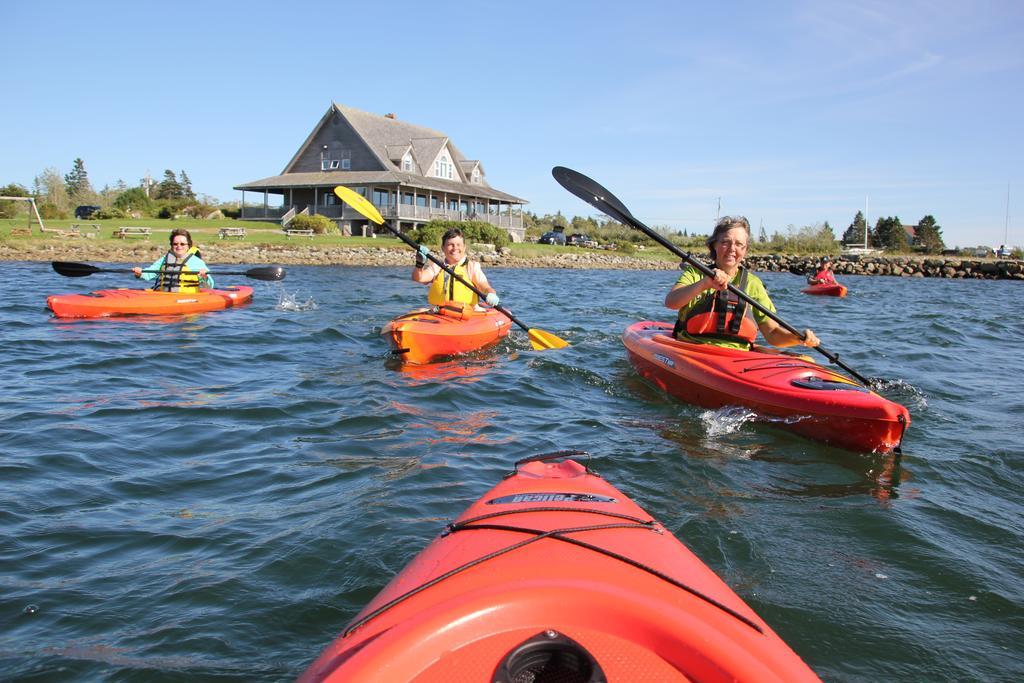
710, 314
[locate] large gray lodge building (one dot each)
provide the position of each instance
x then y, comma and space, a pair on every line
411, 174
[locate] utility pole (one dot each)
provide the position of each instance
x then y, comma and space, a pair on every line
719, 214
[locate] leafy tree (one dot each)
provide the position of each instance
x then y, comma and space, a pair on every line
186, 186
134, 199
50, 189
76, 183
169, 187
8, 208
855, 233
929, 235
889, 234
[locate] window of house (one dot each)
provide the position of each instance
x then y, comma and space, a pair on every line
464, 207
407, 198
407, 163
453, 205
325, 164
334, 163
421, 200
435, 203
382, 197
443, 167
476, 175
346, 159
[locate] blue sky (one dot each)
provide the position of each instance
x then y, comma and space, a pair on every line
792, 113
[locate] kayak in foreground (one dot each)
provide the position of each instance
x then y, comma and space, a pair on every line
556, 575
114, 302
430, 333
811, 400
835, 289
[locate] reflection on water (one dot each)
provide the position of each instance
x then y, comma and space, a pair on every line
459, 371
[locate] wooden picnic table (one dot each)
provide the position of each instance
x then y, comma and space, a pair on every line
132, 231
231, 232
298, 232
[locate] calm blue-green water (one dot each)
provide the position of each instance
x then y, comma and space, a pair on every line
213, 498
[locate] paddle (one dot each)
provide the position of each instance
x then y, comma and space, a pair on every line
539, 339
72, 269
600, 198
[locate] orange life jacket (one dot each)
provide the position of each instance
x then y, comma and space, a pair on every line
723, 315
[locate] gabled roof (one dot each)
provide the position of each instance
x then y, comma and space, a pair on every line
397, 152
388, 140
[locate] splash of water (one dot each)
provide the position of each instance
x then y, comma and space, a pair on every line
290, 302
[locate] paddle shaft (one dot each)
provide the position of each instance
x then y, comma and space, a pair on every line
451, 271
72, 269
620, 213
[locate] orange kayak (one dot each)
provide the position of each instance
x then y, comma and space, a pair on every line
556, 575
826, 290
113, 302
791, 391
431, 333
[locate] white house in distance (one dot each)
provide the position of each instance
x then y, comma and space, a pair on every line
410, 173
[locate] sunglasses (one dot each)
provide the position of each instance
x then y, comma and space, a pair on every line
179, 244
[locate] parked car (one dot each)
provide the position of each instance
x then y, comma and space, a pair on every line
579, 239
85, 212
553, 237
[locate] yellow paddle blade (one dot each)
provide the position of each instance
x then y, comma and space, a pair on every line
541, 339
359, 203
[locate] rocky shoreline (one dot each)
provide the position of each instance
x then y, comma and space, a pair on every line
399, 255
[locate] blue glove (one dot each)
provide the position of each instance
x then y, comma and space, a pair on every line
424, 252
421, 256
492, 299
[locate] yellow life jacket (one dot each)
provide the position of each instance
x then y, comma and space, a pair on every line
178, 277
445, 288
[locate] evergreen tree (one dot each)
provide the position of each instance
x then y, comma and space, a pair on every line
889, 234
929, 235
855, 233
76, 183
186, 186
169, 187
763, 236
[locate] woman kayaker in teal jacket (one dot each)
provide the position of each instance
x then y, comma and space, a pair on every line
181, 269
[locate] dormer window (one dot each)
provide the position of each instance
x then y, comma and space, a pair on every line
346, 159
407, 163
443, 167
476, 175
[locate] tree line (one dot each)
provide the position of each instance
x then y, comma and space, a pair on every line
888, 234
57, 196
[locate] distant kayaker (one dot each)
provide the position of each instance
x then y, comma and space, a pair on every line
181, 269
709, 313
444, 287
824, 276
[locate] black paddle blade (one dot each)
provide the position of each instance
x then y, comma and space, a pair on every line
72, 269
269, 273
593, 193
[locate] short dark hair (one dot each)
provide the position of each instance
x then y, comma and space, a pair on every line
181, 231
453, 232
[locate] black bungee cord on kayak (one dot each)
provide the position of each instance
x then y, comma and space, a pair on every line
558, 535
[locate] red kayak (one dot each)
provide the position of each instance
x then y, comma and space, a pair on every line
442, 331
834, 289
789, 390
556, 575
116, 302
